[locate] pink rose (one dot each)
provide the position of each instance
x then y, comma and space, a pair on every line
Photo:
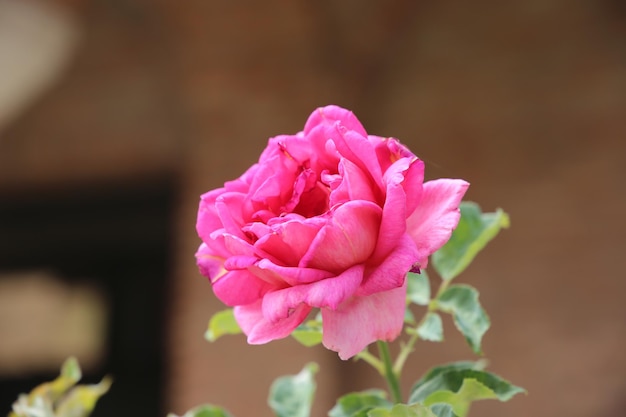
329, 218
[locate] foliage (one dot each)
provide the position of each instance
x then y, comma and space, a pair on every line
292, 396
61, 397
222, 323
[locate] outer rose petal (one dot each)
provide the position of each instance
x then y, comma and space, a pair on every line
208, 219
393, 222
229, 208
363, 320
331, 114
211, 265
260, 330
328, 293
413, 183
437, 214
240, 287
391, 272
290, 275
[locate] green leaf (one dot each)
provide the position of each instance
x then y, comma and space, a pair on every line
471, 390
204, 411
402, 410
418, 288
61, 397
222, 323
309, 333
451, 387
453, 366
474, 231
358, 404
81, 400
52, 391
469, 317
409, 318
431, 328
292, 396
442, 410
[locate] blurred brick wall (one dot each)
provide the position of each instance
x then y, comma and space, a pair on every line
525, 100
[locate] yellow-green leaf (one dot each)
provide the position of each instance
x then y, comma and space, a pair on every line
402, 410
204, 411
309, 333
52, 391
471, 390
474, 231
222, 323
451, 387
82, 399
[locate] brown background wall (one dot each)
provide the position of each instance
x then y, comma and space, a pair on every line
526, 100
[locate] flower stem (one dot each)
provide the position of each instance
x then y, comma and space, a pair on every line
390, 375
373, 361
406, 350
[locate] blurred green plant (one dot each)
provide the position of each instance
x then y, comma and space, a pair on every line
61, 397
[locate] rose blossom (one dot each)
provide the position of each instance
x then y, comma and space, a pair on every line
329, 218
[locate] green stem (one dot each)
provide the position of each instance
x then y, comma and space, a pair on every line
405, 351
390, 375
442, 287
372, 360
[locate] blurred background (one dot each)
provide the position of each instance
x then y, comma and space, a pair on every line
116, 115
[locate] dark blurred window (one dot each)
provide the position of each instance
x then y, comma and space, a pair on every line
114, 239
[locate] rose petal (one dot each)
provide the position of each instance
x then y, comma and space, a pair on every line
408, 172
314, 201
239, 262
413, 184
321, 131
292, 275
360, 151
273, 183
329, 115
391, 272
240, 287
393, 222
349, 237
290, 240
235, 245
437, 214
210, 265
260, 330
208, 219
329, 293
363, 320
256, 229
229, 209
354, 185
294, 146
